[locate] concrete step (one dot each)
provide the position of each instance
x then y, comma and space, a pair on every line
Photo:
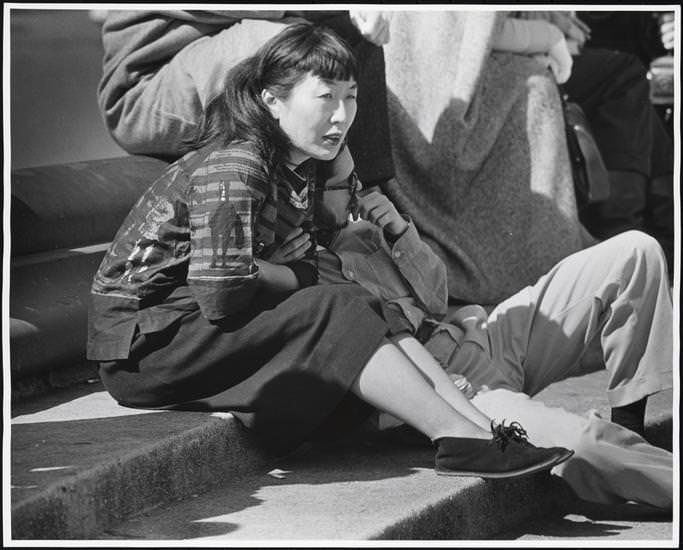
83, 467
81, 463
62, 219
614, 525
344, 492
370, 489
78, 204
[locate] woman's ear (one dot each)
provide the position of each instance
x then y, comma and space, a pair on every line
272, 102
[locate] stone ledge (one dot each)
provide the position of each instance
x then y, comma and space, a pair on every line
84, 467
81, 463
353, 490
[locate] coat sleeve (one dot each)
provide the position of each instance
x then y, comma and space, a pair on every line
423, 270
224, 205
222, 17
526, 36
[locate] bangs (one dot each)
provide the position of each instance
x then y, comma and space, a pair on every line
327, 56
330, 65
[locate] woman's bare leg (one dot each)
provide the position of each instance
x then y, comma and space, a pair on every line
440, 381
391, 382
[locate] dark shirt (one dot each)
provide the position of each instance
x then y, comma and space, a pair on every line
190, 242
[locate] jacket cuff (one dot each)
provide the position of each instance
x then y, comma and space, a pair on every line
223, 297
305, 272
409, 240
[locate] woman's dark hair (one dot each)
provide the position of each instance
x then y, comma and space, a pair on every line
239, 113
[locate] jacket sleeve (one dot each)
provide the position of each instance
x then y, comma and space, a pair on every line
526, 36
423, 270
224, 204
222, 17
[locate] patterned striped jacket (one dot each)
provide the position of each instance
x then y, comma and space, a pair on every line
190, 242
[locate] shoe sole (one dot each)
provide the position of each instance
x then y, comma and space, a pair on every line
503, 475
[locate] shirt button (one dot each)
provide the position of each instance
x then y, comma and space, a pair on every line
397, 254
350, 274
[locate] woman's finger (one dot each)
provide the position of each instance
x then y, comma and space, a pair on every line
300, 243
383, 218
293, 233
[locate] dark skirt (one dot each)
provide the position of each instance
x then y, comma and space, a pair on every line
284, 368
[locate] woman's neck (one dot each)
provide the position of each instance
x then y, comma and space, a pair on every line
295, 159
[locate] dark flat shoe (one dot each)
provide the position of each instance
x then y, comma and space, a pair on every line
484, 458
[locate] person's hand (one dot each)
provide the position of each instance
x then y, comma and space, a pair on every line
573, 46
559, 60
294, 248
463, 385
667, 30
372, 25
575, 31
376, 208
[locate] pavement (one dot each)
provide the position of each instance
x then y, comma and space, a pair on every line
576, 520
615, 525
84, 468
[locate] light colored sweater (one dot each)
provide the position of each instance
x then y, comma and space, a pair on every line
481, 159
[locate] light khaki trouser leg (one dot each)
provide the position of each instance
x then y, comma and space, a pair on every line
610, 464
606, 306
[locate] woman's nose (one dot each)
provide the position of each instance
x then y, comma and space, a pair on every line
339, 115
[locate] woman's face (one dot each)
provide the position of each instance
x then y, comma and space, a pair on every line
316, 116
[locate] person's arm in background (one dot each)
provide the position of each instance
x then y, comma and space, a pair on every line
221, 17
576, 32
526, 36
551, 37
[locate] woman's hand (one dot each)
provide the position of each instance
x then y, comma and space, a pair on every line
378, 209
373, 25
294, 248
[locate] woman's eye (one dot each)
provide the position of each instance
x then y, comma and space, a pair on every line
326, 95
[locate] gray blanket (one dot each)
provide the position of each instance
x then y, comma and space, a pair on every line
481, 159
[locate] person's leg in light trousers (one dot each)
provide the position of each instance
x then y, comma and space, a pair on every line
610, 464
606, 306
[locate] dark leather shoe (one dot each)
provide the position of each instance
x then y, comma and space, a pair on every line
486, 458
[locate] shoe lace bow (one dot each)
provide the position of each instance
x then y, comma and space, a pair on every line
502, 434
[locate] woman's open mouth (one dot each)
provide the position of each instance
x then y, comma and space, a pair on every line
333, 139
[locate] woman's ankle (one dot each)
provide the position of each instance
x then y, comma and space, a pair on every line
463, 433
